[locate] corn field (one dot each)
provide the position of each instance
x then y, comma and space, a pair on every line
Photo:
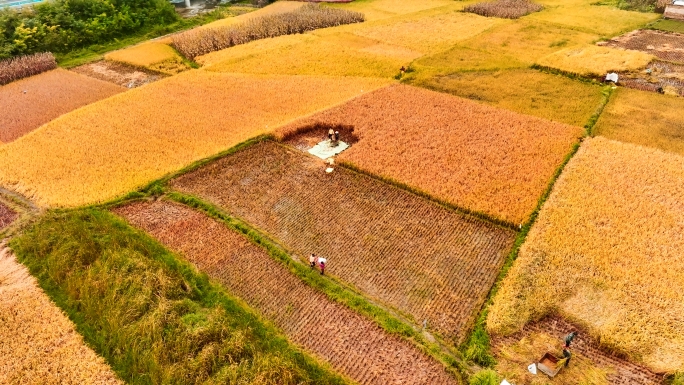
307, 18
507, 9
25, 66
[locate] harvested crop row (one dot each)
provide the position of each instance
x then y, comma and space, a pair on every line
39, 343
607, 251
429, 262
29, 103
644, 118
507, 9
472, 155
112, 147
353, 345
25, 66
155, 56
7, 216
309, 17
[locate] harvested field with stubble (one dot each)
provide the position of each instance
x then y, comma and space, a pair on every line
29, 103
471, 155
39, 343
507, 9
606, 251
426, 261
663, 45
112, 147
352, 344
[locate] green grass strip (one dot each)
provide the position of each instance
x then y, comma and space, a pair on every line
333, 289
151, 315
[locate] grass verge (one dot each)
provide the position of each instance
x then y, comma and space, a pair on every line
333, 289
149, 314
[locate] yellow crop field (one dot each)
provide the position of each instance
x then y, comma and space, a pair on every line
381, 9
606, 252
427, 32
604, 20
39, 343
341, 54
644, 118
143, 55
594, 60
272, 9
114, 146
156, 56
552, 97
528, 40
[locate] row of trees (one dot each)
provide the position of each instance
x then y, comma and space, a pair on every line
64, 25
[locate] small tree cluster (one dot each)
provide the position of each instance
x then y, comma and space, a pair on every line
25, 66
307, 18
507, 9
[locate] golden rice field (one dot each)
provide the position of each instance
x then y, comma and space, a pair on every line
340, 54
644, 118
530, 92
426, 32
143, 55
606, 21
382, 9
592, 60
273, 9
39, 343
112, 147
606, 252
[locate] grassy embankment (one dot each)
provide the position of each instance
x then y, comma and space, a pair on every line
149, 314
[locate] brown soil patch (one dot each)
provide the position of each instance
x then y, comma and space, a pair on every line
38, 343
352, 344
663, 45
662, 77
471, 155
29, 103
7, 216
618, 370
429, 262
118, 73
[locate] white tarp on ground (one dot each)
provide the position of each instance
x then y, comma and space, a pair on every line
325, 150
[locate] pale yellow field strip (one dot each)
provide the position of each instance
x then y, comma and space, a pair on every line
608, 252
143, 55
273, 9
38, 343
592, 60
119, 144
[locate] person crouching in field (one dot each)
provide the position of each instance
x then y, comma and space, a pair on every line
312, 261
321, 263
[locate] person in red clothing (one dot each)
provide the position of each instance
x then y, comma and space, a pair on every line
321, 263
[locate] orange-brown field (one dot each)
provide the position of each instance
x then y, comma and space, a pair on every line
475, 156
426, 261
38, 343
29, 103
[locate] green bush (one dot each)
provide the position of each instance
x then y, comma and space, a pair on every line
485, 377
150, 315
64, 25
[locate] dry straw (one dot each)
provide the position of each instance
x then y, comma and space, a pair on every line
507, 9
25, 66
307, 18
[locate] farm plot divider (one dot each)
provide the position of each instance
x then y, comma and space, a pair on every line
415, 256
352, 343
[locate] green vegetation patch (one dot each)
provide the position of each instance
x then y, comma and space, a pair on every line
150, 315
668, 25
